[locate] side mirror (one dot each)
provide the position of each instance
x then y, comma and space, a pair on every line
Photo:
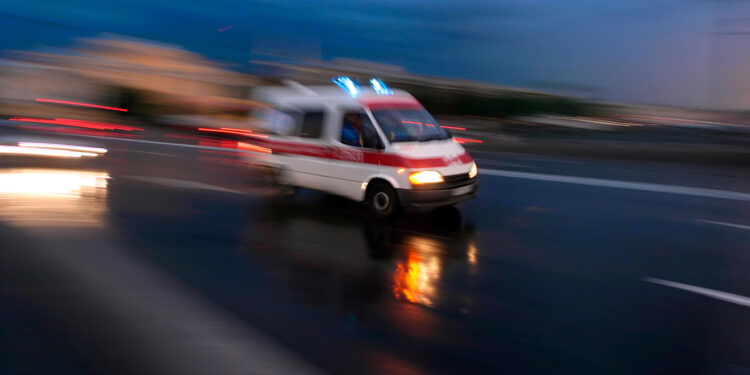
380, 145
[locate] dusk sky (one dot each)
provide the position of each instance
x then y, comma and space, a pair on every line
675, 52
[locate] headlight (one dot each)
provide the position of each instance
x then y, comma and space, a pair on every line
473, 171
425, 177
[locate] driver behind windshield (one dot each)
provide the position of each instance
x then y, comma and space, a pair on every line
355, 132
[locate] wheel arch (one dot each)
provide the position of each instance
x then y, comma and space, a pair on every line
378, 178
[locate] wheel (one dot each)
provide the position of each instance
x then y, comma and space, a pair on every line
278, 183
383, 200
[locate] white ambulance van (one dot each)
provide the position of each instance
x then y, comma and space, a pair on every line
366, 143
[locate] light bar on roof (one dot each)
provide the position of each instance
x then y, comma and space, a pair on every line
380, 87
347, 84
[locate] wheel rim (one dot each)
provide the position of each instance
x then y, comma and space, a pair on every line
381, 201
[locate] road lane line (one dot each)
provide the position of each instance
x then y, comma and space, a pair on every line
716, 294
142, 152
732, 225
185, 184
500, 163
642, 186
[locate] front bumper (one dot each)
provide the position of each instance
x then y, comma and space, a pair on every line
438, 197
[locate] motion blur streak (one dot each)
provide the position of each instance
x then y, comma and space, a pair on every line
233, 131
221, 144
19, 150
77, 123
252, 147
463, 140
452, 127
60, 198
78, 131
81, 104
238, 130
97, 150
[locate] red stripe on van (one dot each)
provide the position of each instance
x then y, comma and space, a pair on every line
359, 155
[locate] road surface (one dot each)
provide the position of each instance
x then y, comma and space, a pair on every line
175, 259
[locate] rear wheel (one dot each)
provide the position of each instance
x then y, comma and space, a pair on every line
382, 199
279, 184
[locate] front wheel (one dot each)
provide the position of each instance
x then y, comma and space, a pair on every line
383, 200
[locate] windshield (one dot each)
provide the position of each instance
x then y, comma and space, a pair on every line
409, 125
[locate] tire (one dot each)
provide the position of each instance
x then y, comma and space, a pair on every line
278, 184
383, 200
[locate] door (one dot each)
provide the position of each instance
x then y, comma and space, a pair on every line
351, 154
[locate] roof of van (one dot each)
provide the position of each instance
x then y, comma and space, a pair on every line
295, 94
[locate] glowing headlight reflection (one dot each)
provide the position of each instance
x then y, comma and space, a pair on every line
417, 280
96, 150
33, 151
56, 198
52, 150
50, 183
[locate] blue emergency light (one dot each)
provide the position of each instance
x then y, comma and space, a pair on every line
380, 87
347, 84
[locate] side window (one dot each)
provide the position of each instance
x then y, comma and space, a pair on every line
357, 130
312, 124
282, 122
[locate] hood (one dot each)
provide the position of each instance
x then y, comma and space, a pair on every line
431, 149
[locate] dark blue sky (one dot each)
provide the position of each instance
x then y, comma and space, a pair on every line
650, 51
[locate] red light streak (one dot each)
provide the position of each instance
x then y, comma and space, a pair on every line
77, 123
430, 125
81, 104
452, 127
170, 135
221, 144
246, 133
252, 147
411, 122
77, 131
464, 140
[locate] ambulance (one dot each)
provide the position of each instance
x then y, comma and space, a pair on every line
365, 142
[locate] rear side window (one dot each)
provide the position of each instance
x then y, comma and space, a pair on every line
312, 124
281, 122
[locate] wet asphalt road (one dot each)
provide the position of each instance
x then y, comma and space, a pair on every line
534, 276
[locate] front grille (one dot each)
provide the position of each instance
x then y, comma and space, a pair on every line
453, 181
456, 178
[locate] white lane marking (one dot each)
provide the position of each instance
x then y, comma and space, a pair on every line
642, 186
717, 294
144, 152
732, 225
500, 163
185, 184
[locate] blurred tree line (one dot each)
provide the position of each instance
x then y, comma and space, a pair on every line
496, 104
